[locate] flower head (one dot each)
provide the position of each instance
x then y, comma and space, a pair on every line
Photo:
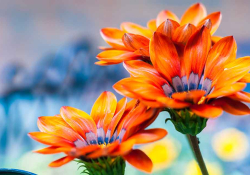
131, 42
111, 130
204, 79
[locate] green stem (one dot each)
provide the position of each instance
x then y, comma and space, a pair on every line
196, 150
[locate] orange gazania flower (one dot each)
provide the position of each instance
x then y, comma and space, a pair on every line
111, 130
131, 42
205, 80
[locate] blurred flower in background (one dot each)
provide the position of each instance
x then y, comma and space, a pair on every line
212, 167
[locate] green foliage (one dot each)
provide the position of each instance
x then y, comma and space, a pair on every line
103, 166
186, 122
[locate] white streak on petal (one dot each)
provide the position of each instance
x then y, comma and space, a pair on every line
167, 90
193, 81
80, 144
177, 84
91, 138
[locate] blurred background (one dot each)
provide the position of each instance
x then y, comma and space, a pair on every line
47, 55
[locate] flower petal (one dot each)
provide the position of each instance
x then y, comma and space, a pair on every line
215, 18
117, 56
194, 14
53, 150
164, 15
57, 126
123, 148
113, 37
104, 63
206, 111
80, 121
49, 139
171, 103
245, 78
221, 53
232, 106
196, 50
152, 24
139, 68
150, 135
164, 56
139, 160
134, 42
130, 27
104, 109
183, 33
61, 161
227, 90
192, 96
168, 27
241, 96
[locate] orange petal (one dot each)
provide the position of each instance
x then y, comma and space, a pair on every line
139, 68
245, 78
53, 150
85, 151
233, 72
124, 148
215, 39
164, 56
134, 42
164, 15
61, 161
104, 109
171, 103
49, 139
194, 14
232, 106
241, 96
221, 53
139, 160
206, 111
57, 126
120, 109
150, 135
227, 90
215, 18
196, 50
192, 96
113, 37
104, 63
133, 28
183, 33
152, 24
117, 56
80, 121
168, 27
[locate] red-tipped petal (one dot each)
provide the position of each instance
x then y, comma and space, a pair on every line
139, 160
206, 111
192, 96
53, 150
241, 96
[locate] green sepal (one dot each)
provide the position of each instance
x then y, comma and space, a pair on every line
186, 122
103, 166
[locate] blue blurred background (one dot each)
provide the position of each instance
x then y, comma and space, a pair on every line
47, 54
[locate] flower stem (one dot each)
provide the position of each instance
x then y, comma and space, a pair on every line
194, 144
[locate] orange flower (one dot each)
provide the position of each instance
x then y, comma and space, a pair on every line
131, 42
111, 130
205, 80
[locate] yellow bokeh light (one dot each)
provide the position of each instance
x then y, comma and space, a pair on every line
230, 145
213, 168
162, 153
